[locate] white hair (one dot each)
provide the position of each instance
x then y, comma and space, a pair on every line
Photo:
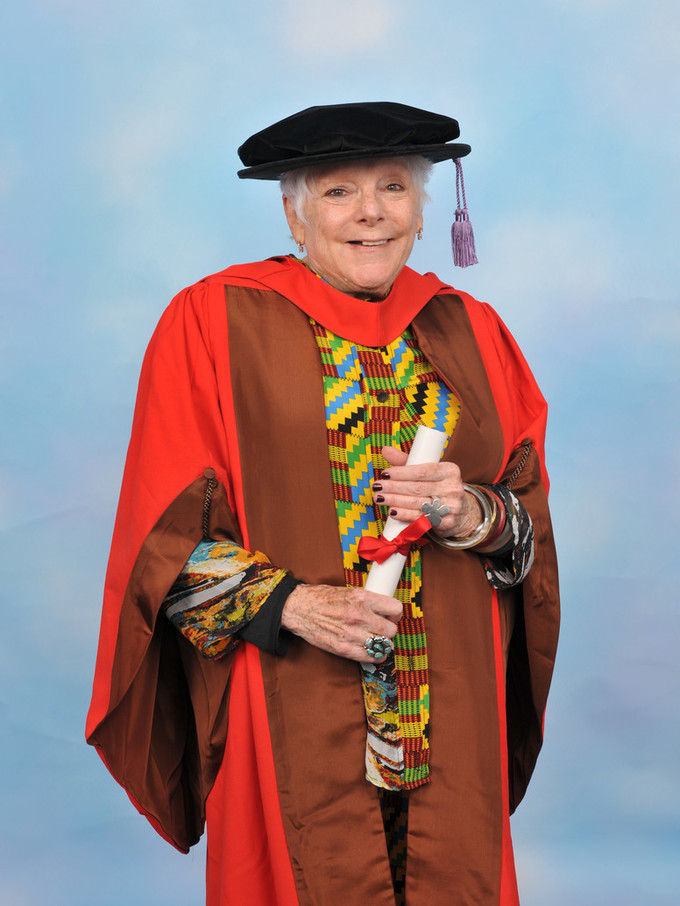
295, 183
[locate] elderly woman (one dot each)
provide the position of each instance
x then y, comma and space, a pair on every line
344, 746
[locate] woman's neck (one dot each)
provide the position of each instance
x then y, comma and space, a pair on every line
363, 296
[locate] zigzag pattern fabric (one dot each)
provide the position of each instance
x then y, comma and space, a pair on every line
377, 397
394, 808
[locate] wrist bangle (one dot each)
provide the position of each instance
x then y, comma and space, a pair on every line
499, 522
480, 534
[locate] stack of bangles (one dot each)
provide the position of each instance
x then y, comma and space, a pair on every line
490, 529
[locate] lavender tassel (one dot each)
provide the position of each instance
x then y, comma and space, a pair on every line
462, 236
463, 240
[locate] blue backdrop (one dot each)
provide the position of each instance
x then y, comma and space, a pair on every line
120, 124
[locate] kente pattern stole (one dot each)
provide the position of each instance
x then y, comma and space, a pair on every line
376, 397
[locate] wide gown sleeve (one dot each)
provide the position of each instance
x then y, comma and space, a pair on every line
531, 659
158, 710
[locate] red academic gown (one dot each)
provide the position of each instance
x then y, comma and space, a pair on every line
231, 384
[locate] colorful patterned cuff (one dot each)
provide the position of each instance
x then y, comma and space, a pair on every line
510, 565
221, 588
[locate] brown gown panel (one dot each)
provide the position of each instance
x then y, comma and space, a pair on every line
314, 700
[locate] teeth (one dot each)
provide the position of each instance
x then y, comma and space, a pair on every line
376, 242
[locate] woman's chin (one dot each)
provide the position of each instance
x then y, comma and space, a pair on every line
371, 284
371, 280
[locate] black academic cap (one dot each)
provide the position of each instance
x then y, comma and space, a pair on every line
344, 132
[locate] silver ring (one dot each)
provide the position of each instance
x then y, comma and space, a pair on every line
435, 510
378, 646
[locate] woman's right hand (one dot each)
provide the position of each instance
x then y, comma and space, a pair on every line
339, 619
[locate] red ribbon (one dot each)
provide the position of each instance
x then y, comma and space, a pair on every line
379, 549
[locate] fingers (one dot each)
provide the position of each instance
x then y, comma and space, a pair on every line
394, 456
340, 620
404, 489
425, 472
452, 506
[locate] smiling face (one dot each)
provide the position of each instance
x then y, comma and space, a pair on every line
361, 221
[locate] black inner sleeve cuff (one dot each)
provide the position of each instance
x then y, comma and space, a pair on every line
264, 630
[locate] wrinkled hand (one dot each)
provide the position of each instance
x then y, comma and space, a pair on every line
340, 620
409, 487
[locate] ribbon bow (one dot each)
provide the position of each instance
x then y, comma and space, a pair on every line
379, 549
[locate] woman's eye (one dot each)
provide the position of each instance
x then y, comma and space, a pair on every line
336, 193
395, 187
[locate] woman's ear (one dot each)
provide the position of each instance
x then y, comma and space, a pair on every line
297, 228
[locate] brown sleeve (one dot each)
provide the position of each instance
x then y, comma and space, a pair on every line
533, 645
164, 732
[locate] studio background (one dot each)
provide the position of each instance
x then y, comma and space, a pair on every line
118, 136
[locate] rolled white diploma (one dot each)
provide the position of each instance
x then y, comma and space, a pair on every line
383, 578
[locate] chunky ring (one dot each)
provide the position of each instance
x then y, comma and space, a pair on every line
378, 646
435, 510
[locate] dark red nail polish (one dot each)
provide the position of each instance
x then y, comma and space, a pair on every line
377, 486
379, 498
386, 476
393, 512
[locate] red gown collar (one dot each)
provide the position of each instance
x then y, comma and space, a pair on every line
368, 323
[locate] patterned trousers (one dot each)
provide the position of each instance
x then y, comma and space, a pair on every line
394, 808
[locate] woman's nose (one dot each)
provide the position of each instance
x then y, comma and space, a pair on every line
370, 208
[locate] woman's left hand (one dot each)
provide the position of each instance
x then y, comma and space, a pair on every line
404, 489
